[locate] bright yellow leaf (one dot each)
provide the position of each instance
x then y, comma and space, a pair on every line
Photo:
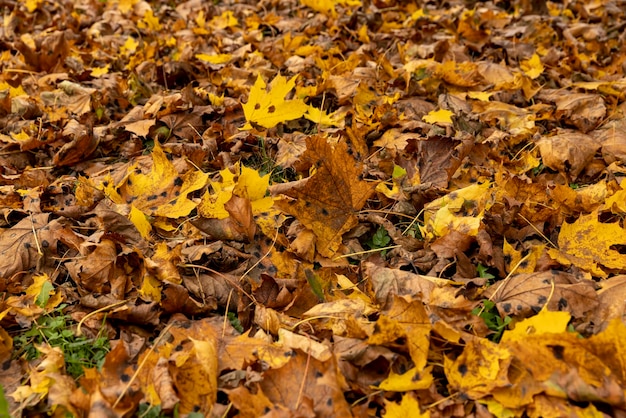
587, 244
214, 58
411, 380
138, 218
126, 6
532, 67
545, 322
408, 407
100, 71
149, 21
160, 192
268, 108
482, 367
21, 136
461, 210
129, 47
320, 117
13, 91
248, 184
438, 116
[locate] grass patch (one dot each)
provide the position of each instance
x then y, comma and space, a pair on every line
56, 330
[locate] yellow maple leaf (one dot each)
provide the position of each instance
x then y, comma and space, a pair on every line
587, 243
149, 21
269, 108
438, 116
126, 6
532, 67
413, 379
44, 375
461, 210
408, 407
326, 7
13, 91
320, 117
545, 322
214, 58
32, 5
481, 368
160, 192
129, 47
100, 71
248, 184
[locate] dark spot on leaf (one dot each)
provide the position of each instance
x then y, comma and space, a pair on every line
519, 307
185, 325
329, 401
535, 308
27, 245
257, 106
462, 369
169, 157
507, 259
117, 190
163, 194
290, 353
271, 109
152, 197
272, 269
324, 212
173, 203
562, 304
178, 181
131, 199
307, 203
557, 351
176, 193
542, 300
196, 408
506, 307
179, 347
153, 208
415, 377
129, 182
105, 183
266, 410
523, 264
318, 374
124, 377
45, 243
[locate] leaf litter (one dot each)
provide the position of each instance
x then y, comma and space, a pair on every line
297, 208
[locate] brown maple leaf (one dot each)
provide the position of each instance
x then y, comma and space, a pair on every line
328, 201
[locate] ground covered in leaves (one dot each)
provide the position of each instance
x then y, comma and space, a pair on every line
312, 208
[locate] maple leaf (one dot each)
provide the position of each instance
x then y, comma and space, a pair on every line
269, 108
160, 192
588, 244
327, 203
442, 116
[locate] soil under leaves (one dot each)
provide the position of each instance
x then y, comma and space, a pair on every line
312, 208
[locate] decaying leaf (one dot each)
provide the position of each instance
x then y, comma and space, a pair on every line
327, 203
312, 208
